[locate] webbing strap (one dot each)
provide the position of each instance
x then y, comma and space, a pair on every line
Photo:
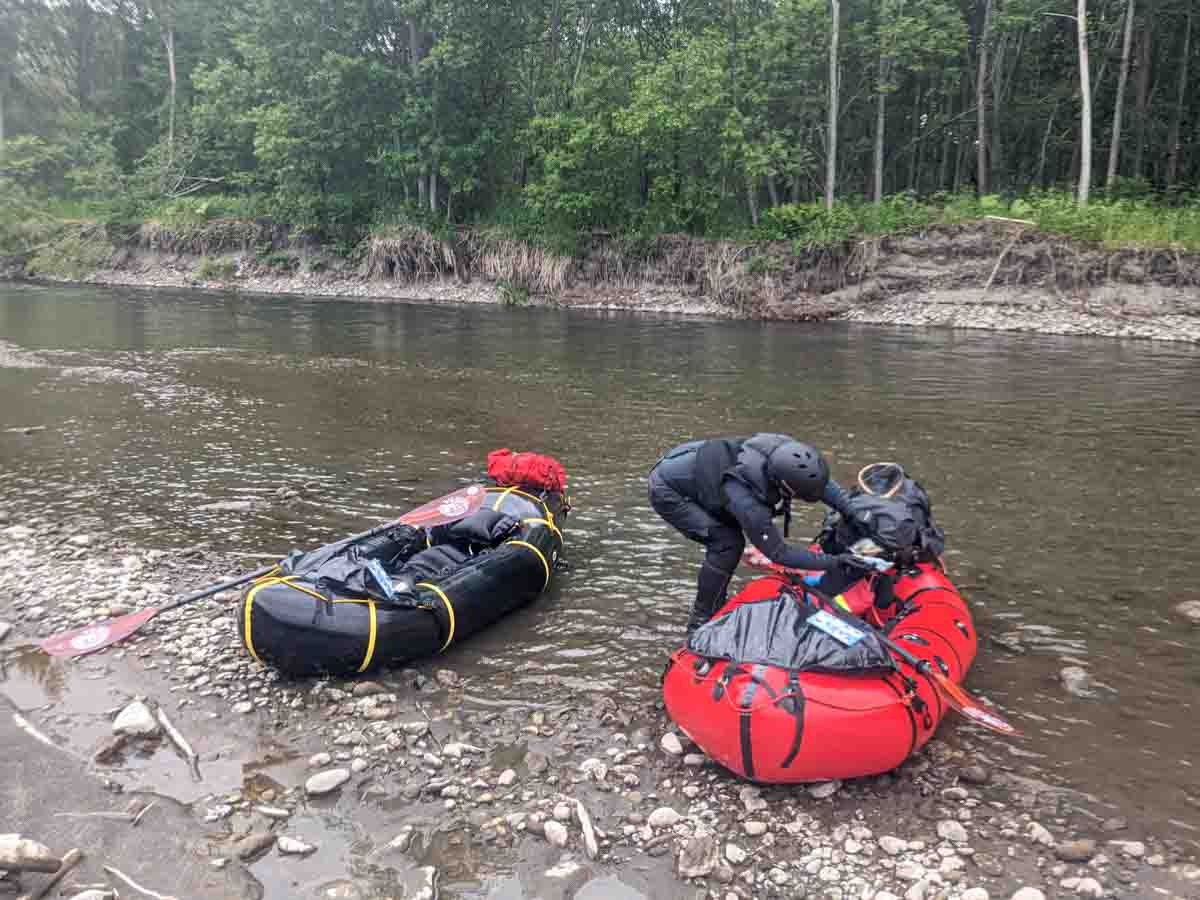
449, 611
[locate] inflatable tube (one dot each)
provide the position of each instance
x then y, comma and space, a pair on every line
775, 725
288, 623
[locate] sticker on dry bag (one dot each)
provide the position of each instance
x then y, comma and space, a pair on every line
840, 631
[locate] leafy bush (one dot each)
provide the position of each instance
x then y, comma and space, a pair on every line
73, 255
218, 269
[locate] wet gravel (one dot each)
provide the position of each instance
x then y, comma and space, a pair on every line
457, 787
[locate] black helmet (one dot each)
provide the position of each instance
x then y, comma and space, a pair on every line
799, 470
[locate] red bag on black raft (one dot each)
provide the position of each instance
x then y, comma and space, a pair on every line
526, 470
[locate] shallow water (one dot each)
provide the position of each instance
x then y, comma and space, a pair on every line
1063, 470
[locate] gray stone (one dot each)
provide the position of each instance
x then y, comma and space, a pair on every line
1039, 835
1077, 680
324, 782
1190, 610
1028, 893
671, 744
294, 846
910, 871
950, 830
5, 630
975, 893
892, 846
663, 817
94, 894
824, 789
136, 720
1079, 851
755, 829
507, 777
698, 858
253, 845
735, 854
1133, 849
243, 708
975, 775
319, 759
751, 798
555, 832
1089, 887
18, 854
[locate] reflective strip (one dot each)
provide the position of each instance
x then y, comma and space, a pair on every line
449, 609
540, 556
841, 601
549, 524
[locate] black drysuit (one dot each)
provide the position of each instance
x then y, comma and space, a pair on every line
715, 492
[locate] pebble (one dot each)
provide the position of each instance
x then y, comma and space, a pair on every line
253, 844
507, 777
1078, 851
562, 812
5, 630
324, 782
698, 857
892, 846
94, 894
1084, 887
555, 832
1190, 610
671, 744
755, 829
751, 798
136, 720
21, 854
694, 760
735, 854
243, 708
1077, 680
824, 789
1133, 849
1039, 835
950, 830
273, 812
663, 817
1028, 893
294, 846
975, 893
975, 775
317, 760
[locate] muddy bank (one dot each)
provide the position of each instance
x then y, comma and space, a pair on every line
990, 275
421, 783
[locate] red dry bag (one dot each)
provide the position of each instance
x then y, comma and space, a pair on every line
533, 470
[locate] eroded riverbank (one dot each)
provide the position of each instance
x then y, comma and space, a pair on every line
443, 787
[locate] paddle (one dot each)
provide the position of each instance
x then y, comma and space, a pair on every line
90, 638
953, 693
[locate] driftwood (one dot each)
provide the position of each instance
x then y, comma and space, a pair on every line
70, 861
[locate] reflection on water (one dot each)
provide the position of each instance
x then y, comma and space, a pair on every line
1061, 468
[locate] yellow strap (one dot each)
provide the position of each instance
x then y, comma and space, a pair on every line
545, 522
841, 601
371, 640
540, 556
500, 499
520, 493
248, 608
449, 609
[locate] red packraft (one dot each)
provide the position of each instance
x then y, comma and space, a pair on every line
532, 470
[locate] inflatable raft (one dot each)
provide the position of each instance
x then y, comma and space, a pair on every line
778, 688
325, 613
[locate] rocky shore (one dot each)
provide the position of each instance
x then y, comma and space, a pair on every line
417, 783
996, 276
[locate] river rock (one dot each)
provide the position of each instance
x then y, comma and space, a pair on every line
698, 858
368, 688
245, 707
1079, 851
910, 871
751, 798
663, 817
5, 630
447, 678
975, 775
1190, 610
294, 846
892, 846
590, 845
1039, 835
755, 829
94, 894
950, 830
1084, 887
18, 854
824, 789
975, 893
1133, 849
885, 895
555, 832
136, 720
324, 782
562, 812
735, 854
671, 744
1077, 680
507, 777
317, 760
253, 844
1028, 893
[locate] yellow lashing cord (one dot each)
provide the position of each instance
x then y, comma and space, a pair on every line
540, 556
449, 610
268, 582
549, 524
520, 493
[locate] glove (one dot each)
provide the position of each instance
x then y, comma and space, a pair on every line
856, 563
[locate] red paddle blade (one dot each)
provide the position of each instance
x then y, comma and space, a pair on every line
972, 708
91, 638
449, 508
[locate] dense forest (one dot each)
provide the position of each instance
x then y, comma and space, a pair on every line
710, 117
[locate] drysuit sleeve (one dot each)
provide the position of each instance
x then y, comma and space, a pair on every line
756, 521
837, 498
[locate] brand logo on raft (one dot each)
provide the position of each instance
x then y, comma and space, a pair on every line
455, 506
93, 637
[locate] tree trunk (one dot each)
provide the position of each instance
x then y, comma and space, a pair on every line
1085, 98
433, 186
169, 46
752, 198
3, 87
981, 137
996, 170
1041, 172
1114, 148
914, 170
1173, 138
772, 190
880, 120
831, 161
1142, 84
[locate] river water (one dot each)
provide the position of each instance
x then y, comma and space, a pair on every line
1062, 469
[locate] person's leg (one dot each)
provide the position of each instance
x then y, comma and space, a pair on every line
724, 551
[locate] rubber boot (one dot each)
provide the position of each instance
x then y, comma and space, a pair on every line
710, 595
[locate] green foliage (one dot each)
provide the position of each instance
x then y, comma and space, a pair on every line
73, 255
215, 269
512, 294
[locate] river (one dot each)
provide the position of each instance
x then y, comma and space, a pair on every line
1062, 469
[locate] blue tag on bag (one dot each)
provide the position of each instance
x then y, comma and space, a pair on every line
838, 629
381, 579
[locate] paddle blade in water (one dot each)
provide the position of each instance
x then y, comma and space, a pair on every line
91, 638
970, 707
